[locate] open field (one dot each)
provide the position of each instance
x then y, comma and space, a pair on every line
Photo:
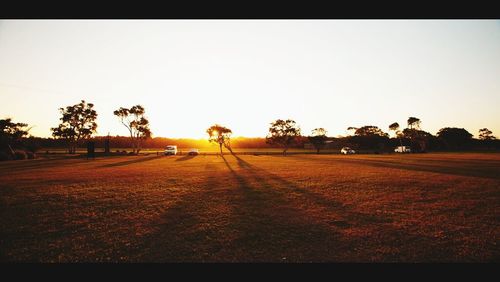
247, 208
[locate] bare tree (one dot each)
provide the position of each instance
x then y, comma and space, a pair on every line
137, 124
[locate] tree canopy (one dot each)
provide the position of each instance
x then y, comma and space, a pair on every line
370, 130
486, 134
413, 123
220, 135
318, 138
11, 133
283, 133
137, 124
77, 123
455, 138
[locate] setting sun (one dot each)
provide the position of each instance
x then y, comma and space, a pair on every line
247, 73
249, 141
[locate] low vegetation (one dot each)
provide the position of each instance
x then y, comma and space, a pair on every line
247, 208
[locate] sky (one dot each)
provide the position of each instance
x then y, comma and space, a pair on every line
244, 74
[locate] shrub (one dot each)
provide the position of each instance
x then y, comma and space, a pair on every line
4, 156
20, 155
31, 155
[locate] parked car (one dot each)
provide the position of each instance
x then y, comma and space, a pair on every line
347, 151
193, 152
403, 149
171, 150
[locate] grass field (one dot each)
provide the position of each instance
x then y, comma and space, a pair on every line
300, 208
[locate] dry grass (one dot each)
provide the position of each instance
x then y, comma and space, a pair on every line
299, 208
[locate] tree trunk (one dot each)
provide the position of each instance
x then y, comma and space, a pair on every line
220, 147
133, 141
71, 147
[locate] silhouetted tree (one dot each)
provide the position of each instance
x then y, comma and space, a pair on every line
419, 139
486, 134
413, 123
455, 138
283, 133
369, 137
11, 134
137, 124
318, 138
220, 135
369, 130
77, 123
395, 127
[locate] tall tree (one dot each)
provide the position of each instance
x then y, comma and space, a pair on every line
413, 123
137, 124
318, 138
395, 127
220, 135
486, 134
283, 133
77, 123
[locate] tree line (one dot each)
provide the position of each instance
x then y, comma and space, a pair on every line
78, 124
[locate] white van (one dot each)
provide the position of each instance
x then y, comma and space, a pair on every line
171, 150
347, 151
403, 149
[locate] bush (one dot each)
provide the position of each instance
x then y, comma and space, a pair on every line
31, 155
4, 156
20, 155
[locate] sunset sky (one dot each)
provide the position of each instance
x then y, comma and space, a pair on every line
190, 74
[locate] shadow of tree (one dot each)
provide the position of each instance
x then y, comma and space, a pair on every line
42, 163
133, 161
185, 158
264, 224
445, 167
271, 180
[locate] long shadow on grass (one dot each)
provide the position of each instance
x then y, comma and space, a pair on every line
133, 161
184, 232
447, 167
250, 215
405, 246
271, 181
185, 158
43, 163
231, 219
